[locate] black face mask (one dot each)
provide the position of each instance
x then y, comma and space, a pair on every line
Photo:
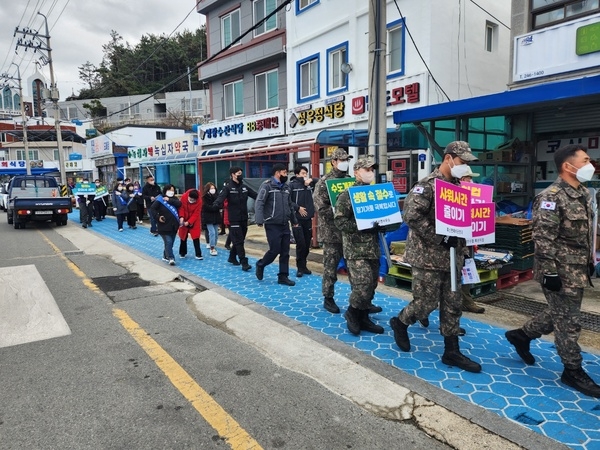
239, 178
283, 178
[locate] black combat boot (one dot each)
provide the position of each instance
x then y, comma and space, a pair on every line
233, 260
329, 305
521, 341
260, 270
245, 266
352, 316
373, 309
424, 322
367, 324
400, 334
453, 357
581, 381
283, 279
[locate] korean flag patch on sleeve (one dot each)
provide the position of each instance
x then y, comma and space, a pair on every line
418, 189
548, 205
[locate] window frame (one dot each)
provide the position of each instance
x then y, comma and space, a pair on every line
239, 23
311, 3
34, 155
392, 26
239, 82
266, 13
330, 52
491, 37
317, 59
256, 94
535, 12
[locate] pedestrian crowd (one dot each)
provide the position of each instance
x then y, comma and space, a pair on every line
562, 233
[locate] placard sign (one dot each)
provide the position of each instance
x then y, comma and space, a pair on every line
483, 223
84, 189
480, 193
452, 210
336, 186
374, 203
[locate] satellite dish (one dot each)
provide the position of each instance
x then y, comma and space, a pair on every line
346, 68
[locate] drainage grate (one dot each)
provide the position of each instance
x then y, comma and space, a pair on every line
589, 321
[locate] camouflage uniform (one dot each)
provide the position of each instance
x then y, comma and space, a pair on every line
430, 261
362, 253
327, 232
562, 233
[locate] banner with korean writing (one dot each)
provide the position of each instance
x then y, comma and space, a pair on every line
374, 203
483, 224
452, 210
336, 186
101, 191
480, 193
84, 189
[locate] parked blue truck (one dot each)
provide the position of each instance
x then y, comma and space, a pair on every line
36, 198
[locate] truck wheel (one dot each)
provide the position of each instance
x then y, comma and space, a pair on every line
9, 218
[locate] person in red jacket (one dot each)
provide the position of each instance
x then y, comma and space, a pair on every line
189, 222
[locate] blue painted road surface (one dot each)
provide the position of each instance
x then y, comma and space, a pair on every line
532, 396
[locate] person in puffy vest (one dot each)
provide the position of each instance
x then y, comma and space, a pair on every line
190, 222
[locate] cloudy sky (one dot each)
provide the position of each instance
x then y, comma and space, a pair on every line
79, 28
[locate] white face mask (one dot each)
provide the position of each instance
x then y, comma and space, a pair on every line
459, 171
367, 176
170, 193
585, 173
212, 191
343, 166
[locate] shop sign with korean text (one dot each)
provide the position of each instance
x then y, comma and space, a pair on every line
336, 186
253, 127
374, 203
452, 209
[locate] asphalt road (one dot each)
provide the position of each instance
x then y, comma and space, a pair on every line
141, 369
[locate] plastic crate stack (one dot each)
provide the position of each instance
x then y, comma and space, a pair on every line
519, 240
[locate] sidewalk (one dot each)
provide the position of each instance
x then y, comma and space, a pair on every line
525, 404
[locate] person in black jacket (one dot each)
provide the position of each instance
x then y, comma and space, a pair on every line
274, 210
150, 191
236, 193
165, 209
211, 215
302, 187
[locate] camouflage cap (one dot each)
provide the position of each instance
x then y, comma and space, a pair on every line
461, 149
340, 153
364, 163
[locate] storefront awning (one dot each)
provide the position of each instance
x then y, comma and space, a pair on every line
586, 90
178, 158
34, 171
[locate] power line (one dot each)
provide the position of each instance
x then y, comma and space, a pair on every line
491, 15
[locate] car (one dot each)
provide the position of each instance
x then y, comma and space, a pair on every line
3, 196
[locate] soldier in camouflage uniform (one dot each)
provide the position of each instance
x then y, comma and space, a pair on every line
362, 253
327, 232
562, 233
429, 256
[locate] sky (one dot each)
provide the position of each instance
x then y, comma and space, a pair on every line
79, 28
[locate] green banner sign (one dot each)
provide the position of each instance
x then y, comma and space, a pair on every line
336, 186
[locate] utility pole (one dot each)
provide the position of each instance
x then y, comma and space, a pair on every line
23, 117
377, 85
32, 39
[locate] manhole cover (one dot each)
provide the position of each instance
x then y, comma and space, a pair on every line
120, 282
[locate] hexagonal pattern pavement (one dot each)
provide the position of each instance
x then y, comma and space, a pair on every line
532, 396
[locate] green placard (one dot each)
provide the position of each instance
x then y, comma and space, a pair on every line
336, 186
587, 39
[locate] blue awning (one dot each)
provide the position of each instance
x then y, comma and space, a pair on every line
34, 171
503, 103
177, 158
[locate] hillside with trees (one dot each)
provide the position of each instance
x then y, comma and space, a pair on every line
156, 61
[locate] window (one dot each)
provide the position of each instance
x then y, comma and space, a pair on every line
336, 79
302, 5
395, 48
491, 30
33, 155
55, 155
308, 78
234, 98
262, 8
267, 90
230, 27
549, 12
161, 135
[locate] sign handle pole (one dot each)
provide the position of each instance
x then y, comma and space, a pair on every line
453, 269
386, 249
